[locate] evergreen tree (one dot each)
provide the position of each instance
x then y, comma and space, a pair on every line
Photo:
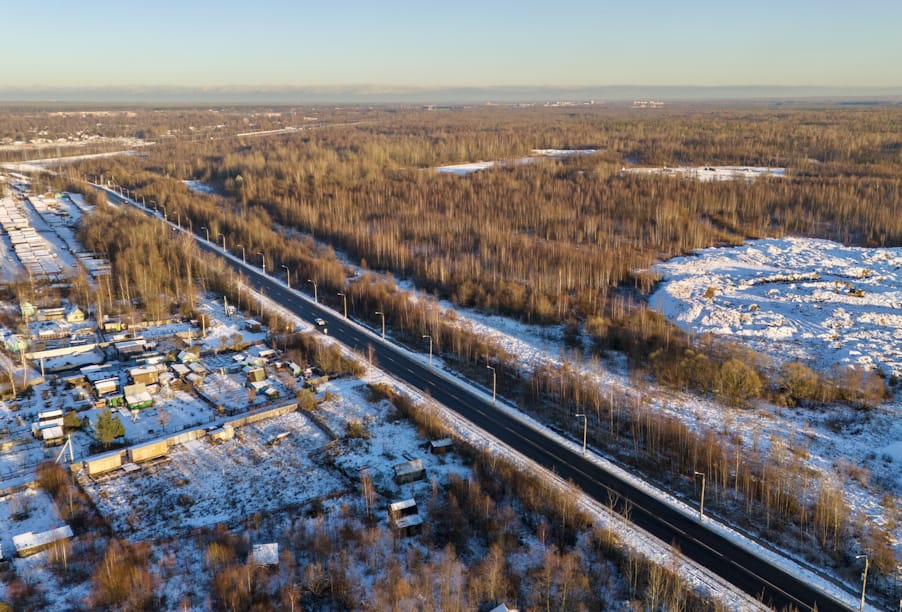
108, 427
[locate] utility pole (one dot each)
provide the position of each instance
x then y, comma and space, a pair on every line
287, 275
315, 295
262, 261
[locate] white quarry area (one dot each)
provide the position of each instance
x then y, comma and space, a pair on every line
793, 298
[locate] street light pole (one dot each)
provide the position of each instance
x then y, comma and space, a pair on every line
430, 349
382, 314
701, 506
344, 301
243, 257
288, 275
262, 261
494, 379
864, 579
207, 231
585, 430
315, 295
223, 242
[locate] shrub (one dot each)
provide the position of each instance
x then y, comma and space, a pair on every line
356, 429
738, 382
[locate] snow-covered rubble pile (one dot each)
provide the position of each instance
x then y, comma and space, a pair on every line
813, 300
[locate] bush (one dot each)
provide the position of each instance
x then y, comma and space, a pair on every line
306, 399
738, 382
800, 383
356, 429
122, 580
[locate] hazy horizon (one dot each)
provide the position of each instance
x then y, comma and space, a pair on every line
399, 47
365, 94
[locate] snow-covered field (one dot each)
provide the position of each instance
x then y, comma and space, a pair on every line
200, 187
812, 300
468, 168
713, 173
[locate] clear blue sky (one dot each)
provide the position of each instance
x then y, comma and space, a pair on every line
428, 43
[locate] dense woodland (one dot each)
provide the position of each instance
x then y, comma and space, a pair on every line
554, 239
562, 241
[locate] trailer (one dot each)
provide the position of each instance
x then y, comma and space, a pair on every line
146, 452
103, 463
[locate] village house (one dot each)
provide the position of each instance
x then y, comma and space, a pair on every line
146, 375
74, 314
137, 397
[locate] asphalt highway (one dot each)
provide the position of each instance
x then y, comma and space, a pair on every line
769, 583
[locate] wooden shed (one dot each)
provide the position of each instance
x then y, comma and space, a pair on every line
404, 517
440, 447
409, 471
30, 543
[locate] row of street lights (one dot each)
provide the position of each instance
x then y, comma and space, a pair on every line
345, 306
124, 191
344, 303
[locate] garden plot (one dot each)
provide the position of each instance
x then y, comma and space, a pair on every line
226, 390
260, 470
223, 327
28, 510
391, 440
173, 411
33, 510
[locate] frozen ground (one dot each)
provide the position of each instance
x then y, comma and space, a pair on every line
529, 338
835, 444
713, 173
40, 165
